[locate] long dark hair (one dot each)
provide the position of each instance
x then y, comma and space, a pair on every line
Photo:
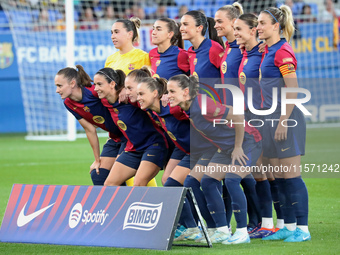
118, 76
174, 27
207, 23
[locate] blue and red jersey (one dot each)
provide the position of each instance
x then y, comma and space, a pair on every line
229, 69
92, 110
248, 76
205, 64
222, 136
279, 60
177, 125
169, 63
136, 126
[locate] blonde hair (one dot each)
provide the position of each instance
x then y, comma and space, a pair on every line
284, 17
233, 11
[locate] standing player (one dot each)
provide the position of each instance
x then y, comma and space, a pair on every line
284, 146
205, 54
146, 148
169, 58
225, 18
246, 34
75, 86
238, 146
124, 33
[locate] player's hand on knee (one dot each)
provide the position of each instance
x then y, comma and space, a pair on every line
239, 155
95, 166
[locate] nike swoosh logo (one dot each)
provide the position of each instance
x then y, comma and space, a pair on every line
305, 238
285, 149
150, 155
24, 219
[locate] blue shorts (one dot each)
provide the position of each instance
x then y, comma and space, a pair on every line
111, 149
185, 162
250, 148
296, 136
202, 159
133, 158
122, 147
177, 154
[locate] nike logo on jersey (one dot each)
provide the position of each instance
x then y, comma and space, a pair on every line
285, 149
24, 219
74, 108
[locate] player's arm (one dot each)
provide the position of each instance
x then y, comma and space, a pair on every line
290, 82
92, 136
238, 124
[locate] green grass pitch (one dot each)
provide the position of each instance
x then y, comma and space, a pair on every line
67, 163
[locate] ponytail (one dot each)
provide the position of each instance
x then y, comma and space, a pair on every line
172, 26
187, 82
284, 17
289, 28
133, 24
78, 74
213, 32
233, 11
158, 84
84, 78
118, 76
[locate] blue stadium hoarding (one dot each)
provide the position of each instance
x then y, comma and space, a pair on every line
130, 217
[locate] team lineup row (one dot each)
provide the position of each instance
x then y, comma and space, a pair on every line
163, 117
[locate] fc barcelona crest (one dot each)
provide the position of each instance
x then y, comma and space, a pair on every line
131, 66
6, 55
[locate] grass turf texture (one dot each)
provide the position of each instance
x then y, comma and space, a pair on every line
67, 163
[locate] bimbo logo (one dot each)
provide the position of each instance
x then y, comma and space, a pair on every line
142, 216
75, 215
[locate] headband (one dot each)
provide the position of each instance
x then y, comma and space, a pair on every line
273, 17
106, 75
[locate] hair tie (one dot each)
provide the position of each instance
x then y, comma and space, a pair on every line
273, 18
